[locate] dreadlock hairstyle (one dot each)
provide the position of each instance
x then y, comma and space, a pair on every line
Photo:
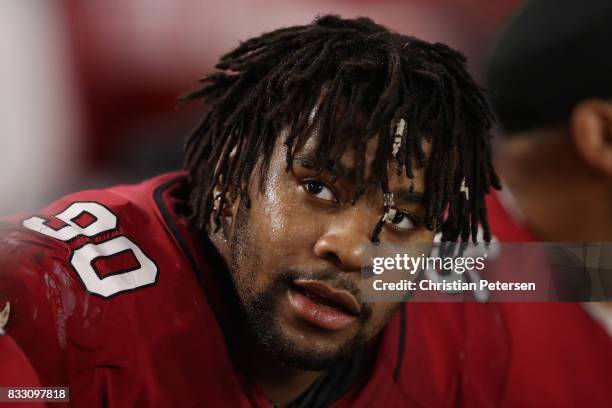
359, 76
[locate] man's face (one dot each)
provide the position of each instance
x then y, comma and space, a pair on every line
296, 256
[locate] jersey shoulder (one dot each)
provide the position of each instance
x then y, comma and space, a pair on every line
121, 225
90, 213
112, 280
64, 268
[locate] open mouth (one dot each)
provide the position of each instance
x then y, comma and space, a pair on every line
322, 305
328, 296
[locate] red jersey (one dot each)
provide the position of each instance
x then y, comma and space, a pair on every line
111, 296
561, 357
16, 372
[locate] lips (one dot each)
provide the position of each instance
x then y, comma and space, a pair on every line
330, 296
322, 306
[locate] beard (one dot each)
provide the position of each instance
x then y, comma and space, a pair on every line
263, 323
259, 309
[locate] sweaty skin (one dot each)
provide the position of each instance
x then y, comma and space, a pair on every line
303, 226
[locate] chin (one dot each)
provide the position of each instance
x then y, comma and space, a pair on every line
315, 339
312, 349
311, 359
297, 342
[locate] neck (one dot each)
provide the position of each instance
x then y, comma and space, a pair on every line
280, 383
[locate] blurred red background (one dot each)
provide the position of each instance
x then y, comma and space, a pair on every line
90, 87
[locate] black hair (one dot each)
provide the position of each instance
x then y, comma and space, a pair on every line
370, 78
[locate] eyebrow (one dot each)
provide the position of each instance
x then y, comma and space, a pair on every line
308, 161
401, 194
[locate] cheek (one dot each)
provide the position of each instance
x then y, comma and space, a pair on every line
423, 235
281, 226
284, 224
270, 210
420, 235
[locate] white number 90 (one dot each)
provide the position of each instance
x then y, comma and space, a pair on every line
82, 258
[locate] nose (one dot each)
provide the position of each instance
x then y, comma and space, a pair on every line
345, 240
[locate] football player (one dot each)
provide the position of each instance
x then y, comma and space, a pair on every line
235, 283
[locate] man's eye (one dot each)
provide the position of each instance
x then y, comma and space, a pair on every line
403, 221
319, 190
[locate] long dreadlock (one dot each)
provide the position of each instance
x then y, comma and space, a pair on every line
356, 68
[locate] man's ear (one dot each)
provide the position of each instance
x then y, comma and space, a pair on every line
591, 132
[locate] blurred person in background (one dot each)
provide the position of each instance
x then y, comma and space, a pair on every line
550, 74
235, 283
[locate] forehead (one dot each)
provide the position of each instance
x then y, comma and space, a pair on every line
348, 162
